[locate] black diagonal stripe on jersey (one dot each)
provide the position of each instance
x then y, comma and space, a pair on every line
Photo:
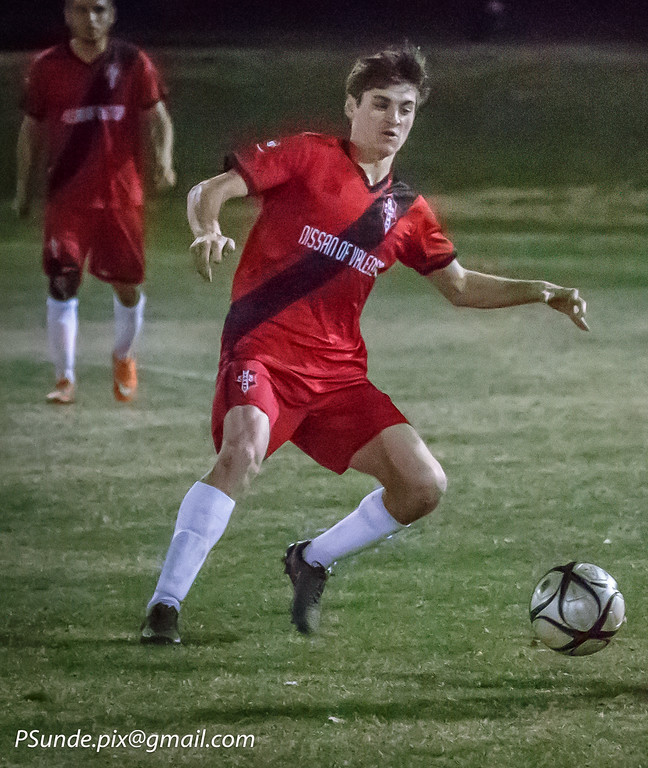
79, 141
312, 271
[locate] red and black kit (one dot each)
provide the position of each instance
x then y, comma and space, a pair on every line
291, 342
91, 114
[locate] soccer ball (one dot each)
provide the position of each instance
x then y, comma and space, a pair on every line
576, 609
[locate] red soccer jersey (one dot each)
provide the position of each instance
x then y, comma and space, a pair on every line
321, 238
92, 116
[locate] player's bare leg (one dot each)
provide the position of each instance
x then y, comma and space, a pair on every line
413, 479
246, 434
129, 305
203, 516
127, 293
412, 485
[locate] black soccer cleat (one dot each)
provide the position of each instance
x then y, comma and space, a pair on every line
161, 626
308, 583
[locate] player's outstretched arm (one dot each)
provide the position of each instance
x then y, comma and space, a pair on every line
161, 136
30, 141
204, 204
467, 288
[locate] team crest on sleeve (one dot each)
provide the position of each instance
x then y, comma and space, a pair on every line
389, 212
246, 379
273, 144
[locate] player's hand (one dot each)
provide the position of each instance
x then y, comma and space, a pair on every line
20, 207
208, 250
568, 301
165, 178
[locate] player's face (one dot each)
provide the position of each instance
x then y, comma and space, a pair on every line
90, 20
381, 122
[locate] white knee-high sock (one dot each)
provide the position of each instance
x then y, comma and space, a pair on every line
202, 519
62, 329
128, 324
370, 522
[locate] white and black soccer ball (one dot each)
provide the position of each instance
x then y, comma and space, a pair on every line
576, 609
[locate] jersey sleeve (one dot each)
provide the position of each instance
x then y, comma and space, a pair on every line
271, 163
34, 95
426, 247
151, 86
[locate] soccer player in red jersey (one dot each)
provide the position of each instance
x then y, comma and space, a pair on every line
293, 364
88, 102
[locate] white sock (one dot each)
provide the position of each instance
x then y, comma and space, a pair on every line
128, 324
62, 328
368, 523
202, 519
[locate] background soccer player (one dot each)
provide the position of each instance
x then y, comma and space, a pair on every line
293, 365
87, 104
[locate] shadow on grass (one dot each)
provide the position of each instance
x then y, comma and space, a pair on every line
448, 705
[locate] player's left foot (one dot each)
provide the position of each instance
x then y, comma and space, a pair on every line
124, 379
308, 584
161, 626
62, 394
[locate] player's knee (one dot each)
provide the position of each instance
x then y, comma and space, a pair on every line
238, 460
64, 286
424, 494
245, 436
431, 492
128, 294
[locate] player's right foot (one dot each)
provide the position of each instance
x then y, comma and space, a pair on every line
124, 378
62, 394
308, 584
161, 626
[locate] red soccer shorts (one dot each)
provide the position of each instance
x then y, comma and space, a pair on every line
329, 427
111, 240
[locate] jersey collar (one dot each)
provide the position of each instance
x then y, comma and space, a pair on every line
379, 186
101, 57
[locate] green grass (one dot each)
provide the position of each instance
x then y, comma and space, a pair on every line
426, 656
498, 116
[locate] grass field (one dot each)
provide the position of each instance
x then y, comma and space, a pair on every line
425, 657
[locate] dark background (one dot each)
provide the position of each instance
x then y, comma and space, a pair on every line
35, 23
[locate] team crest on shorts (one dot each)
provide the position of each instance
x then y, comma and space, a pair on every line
389, 212
247, 379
